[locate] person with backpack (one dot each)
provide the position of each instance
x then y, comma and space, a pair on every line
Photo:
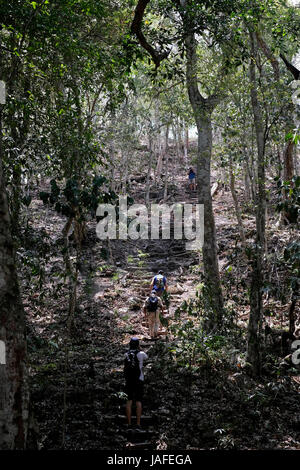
192, 179
151, 311
159, 283
134, 380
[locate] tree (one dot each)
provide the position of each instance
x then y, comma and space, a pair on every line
202, 110
14, 395
256, 304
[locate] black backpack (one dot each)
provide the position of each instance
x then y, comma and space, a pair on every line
132, 369
152, 304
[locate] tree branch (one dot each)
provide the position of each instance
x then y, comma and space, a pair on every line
136, 28
268, 53
291, 68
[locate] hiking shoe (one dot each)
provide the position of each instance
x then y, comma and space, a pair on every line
138, 428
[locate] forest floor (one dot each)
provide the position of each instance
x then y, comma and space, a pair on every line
200, 398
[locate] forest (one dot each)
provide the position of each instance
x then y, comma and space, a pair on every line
149, 226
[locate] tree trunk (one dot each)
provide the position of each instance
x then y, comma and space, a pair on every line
124, 159
288, 161
71, 272
159, 165
202, 109
252, 167
180, 139
246, 182
148, 181
167, 139
166, 177
186, 144
256, 301
236, 203
15, 200
111, 148
292, 315
14, 394
279, 164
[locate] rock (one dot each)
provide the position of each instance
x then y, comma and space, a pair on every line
111, 295
176, 289
164, 412
134, 303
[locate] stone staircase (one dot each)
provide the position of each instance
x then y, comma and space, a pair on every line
143, 262
116, 422
140, 283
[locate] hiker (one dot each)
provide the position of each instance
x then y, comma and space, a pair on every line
192, 179
159, 283
151, 311
134, 379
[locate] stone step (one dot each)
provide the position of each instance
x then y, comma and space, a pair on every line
138, 436
137, 268
175, 253
149, 276
139, 283
145, 419
139, 446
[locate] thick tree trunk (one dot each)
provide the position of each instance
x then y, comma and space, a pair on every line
14, 395
256, 301
202, 109
210, 259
